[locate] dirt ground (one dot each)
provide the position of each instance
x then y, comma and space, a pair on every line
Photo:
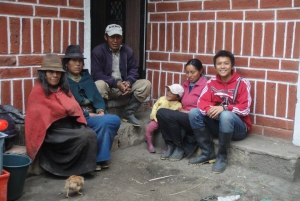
136, 175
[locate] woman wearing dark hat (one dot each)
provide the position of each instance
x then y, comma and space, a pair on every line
55, 126
92, 103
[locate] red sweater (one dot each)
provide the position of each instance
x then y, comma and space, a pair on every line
217, 92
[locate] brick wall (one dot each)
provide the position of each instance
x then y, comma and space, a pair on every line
264, 35
29, 29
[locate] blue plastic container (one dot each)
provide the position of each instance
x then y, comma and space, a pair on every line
17, 165
2, 136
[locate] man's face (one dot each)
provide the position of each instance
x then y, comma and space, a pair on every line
114, 41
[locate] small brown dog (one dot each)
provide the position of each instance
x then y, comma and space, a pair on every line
74, 183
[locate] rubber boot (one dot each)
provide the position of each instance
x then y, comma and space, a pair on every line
150, 146
178, 153
169, 152
221, 161
128, 115
206, 144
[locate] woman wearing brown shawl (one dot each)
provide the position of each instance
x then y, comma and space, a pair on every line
55, 125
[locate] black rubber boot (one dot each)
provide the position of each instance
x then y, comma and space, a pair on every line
128, 115
224, 142
178, 153
206, 144
169, 152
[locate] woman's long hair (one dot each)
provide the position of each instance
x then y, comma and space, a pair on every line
63, 82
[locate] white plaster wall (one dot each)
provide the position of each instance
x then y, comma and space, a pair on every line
87, 35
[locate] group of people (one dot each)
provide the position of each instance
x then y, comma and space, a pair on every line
68, 128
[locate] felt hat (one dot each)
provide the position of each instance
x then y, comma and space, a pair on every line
52, 62
176, 89
113, 29
73, 52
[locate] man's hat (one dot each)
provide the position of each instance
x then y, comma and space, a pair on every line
113, 29
73, 52
52, 62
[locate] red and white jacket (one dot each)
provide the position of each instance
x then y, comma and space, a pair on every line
217, 92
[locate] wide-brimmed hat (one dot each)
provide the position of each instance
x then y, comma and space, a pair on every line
52, 62
176, 89
113, 29
73, 52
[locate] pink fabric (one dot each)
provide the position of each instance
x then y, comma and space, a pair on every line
152, 126
189, 100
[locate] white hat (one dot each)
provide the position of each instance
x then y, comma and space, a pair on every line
176, 89
113, 29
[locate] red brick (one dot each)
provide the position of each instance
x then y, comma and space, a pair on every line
189, 6
30, 60
281, 100
154, 42
270, 98
278, 133
15, 9
289, 39
210, 37
297, 41
162, 37
54, 2
9, 73
219, 36
268, 40
153, 65
228, 36
183, 77
282, 76
289, 65
216, 5
297, 3
160, 56
261, 15
17, 95
170, 38
292, 89
280, 38
205, 59
66, 35
177, 37
163, 7
275, 3
250, 73
169, 82
256, 130
288, 14
180, 57
3, 38
177, 17
201, 37
37, 41
27, 89
241, 61
26, 35
7, 60
155, 83
157, 17
247, 40
14, 24
257, 41
161, 87
176, 78
259, 99
237, 38
264, 63
47, 36
5, 92
148, 36
173, 67
76, 3
252, 84
184, 37
73, 33
273, 122
204, 16
57, 36
71, 13
43, 11
28, 1
241, 5
151, 7
81, 35
193, 37
230, 15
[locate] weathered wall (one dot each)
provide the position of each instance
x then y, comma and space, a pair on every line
264, 35
29, 29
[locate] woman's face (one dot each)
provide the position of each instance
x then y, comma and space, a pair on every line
224, 68
53, 77
192, 73
75, 66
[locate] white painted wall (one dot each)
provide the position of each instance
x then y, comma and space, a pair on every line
87, 35
296, 135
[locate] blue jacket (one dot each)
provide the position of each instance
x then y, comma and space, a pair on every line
101, 65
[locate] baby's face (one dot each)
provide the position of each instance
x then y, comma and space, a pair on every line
170, 96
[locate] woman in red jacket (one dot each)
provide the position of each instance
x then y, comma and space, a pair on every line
223, 112
174, 125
